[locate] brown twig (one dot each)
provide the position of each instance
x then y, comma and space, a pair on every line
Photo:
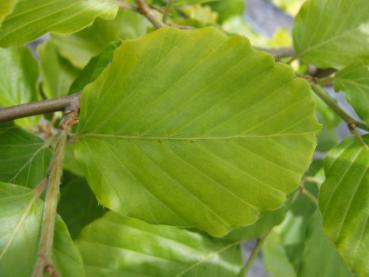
351, 122
35, 108
167, 10
279, 53
126, 6
44, 262
150, 14
253, 255
308, 195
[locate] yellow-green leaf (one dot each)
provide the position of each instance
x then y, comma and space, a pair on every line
20, 217
24, 158
331, 33
344, 202
120, 246
31, 19
353, 80
18, 76
195, 128
56, 72
6, 7
80, 47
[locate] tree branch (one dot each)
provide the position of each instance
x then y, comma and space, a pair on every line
308, 195
278, 53
44, 262
253, 255
40, 107
351, 122
146, 11
126, 6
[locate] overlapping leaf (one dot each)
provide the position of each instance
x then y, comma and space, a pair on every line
262, 227
18, 79
56, 72
188, 141
330, 33
228, 8
20, 218
24, 158
80, 47
344, 202
320, 257
33, 18
18, 76
77, 205
299, 247
354, 82
285, 246
6, 7
94, 68
116, 246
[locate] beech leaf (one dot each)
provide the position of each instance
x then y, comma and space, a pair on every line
208, 140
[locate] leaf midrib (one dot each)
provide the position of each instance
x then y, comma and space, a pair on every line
193, 139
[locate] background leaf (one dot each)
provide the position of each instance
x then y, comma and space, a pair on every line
80, 47
18, 76
327, 34
117, 246
228, 8
77, 204
344, 202
320, 257
6, 7
317, 255
94, 68
56, 72
353, 80
20, 217
192, 129
31, 19
266, 222
18, 79
276, 260
24, 158
289, 6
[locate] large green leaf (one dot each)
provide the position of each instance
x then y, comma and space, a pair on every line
330, 33
80, 47
18, 76
24, 158
344, 202
117, 246
77, 205
20, 218
31, 19
354, 82
56, 72
183, 135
